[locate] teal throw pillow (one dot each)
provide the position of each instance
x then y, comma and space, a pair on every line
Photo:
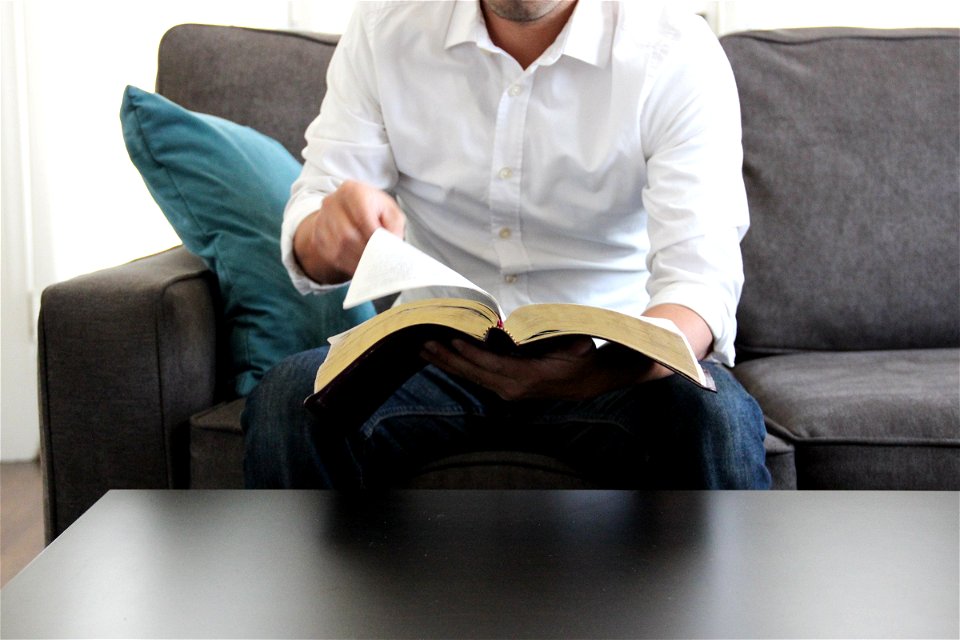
223, 187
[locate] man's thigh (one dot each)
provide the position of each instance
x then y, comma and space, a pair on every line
667, 433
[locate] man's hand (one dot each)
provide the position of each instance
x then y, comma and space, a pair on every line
565, 368
329, 242
569, 368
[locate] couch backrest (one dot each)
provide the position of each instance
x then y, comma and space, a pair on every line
851, 168
272, 81
850, 161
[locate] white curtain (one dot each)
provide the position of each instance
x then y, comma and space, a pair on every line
19, 435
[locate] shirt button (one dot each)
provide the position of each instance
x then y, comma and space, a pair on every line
511, 279
506, 173
505, 233
515, 90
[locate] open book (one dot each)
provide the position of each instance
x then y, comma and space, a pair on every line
367, 363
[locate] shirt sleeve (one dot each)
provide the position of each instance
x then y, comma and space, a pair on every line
694, 197
347, 140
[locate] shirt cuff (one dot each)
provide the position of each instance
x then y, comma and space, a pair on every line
705, 303
296, 212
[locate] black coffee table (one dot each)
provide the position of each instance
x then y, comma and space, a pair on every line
497, 564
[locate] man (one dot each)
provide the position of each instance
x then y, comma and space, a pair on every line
551, 152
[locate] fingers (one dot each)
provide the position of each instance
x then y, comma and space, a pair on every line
479, 359
367, 209
570, 346
559, 373
451, 360
392, 218
330, 241
456, 362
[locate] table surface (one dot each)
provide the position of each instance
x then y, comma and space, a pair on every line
497, 564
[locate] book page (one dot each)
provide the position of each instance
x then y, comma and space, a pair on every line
657, 338
389, 265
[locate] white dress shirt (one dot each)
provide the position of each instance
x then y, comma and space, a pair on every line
606, 173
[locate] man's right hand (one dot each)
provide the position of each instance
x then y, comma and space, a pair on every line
329, 242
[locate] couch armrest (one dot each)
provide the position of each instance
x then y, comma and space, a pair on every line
126, 356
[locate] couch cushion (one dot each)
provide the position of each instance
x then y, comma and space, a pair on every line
850, 162
878, 420
217, 447
781, 462
223, 187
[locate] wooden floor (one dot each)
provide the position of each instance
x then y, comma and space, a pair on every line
21, 516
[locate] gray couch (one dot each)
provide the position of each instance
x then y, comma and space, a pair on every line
849, 323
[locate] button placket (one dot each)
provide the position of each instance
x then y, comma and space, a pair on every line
506, 181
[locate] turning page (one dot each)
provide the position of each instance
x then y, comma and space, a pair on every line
389, 265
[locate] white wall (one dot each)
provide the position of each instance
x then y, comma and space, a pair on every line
737, 15
325, 16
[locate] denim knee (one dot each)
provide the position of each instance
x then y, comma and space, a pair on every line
733, 433
278, 431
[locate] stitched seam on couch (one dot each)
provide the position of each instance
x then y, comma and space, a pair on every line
848, 34
777, 429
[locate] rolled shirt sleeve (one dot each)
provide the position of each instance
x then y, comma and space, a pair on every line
347, 140
694, 197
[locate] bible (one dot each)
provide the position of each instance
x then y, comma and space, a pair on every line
367, 363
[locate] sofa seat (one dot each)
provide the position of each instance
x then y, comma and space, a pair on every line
864, 420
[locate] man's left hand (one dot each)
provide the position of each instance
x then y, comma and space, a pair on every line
571, 367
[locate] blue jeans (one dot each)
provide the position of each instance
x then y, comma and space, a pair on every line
663, 434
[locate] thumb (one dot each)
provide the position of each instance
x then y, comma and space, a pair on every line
393, 220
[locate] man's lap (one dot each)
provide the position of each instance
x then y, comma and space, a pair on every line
666, 433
